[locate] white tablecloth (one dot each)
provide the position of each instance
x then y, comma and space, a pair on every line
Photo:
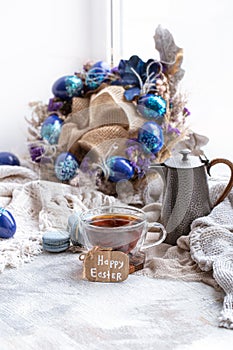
46, 305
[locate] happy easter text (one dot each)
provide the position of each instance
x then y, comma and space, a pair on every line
107, 274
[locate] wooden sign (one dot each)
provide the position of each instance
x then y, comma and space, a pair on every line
105, 265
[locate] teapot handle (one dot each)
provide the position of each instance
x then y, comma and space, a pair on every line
230, 183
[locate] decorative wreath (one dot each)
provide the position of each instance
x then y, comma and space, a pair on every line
111, 123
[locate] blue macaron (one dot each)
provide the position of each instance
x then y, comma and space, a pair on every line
56, 241
74, 230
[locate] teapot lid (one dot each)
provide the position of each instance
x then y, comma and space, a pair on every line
184, 161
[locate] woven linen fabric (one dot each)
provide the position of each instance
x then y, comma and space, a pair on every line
211, 246
37, 205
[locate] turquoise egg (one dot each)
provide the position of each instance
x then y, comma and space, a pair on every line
7, 158
119, 168
97, 74
65, 166
67, 87
150, 134
7, 224
151, 106
51, 129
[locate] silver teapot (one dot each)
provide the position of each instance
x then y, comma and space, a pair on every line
186, 191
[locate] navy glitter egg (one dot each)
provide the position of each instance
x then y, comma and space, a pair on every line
151, 135
67, 87
7, 224
65, 166
96, 75
51, 129
119, 169
151, 106
7, 158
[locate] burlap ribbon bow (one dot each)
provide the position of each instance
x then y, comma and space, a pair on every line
96, 121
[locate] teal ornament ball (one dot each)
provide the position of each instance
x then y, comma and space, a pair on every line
96, 75
150, 134
7, 224
65, 166
67, 87
151, 106
51, 129
119, 169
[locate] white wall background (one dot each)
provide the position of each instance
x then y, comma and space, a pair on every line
43, 40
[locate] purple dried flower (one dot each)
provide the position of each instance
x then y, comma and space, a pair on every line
85, 165
88, 167
171, 130
54, 105
36, 152
138, 156
186, 112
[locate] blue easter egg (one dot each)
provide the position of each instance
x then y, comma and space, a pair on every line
119, 169
151, 106
65, 166
96, 75
150, 134
51, 129
67, 87
7, 158
7, 224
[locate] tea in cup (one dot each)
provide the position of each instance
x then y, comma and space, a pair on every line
121, 228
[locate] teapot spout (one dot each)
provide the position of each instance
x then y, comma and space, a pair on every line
161, 169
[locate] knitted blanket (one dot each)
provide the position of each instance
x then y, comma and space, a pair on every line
37, 206
205, 255
211, 246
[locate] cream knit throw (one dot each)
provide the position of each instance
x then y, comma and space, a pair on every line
206, 255
36, 206
211, 246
